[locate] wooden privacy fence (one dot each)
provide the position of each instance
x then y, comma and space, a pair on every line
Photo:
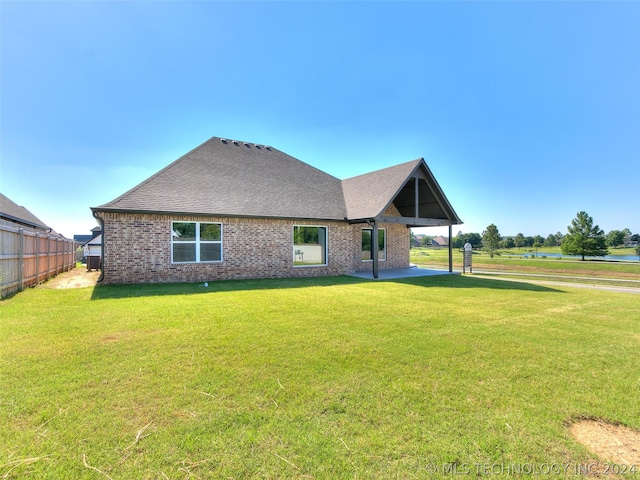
28, 258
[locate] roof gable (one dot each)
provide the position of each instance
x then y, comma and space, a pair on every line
410, 186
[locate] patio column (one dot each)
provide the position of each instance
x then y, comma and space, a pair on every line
374, 248
417, 197
450, 250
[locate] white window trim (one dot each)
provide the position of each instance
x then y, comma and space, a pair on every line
385, 244
326, 246
197, 242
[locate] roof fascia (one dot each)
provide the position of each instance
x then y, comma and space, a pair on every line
24, 222
414, 222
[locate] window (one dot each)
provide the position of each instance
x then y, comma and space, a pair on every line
196, 242
366, 244
309, 246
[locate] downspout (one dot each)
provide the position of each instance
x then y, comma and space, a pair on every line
101, 222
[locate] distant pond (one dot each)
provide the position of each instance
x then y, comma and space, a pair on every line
622, 258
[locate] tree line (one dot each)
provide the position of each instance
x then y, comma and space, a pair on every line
582, 238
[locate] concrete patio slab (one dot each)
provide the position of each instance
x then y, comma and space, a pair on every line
402, 273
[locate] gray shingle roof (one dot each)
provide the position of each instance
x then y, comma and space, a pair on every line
233, 178
368, 195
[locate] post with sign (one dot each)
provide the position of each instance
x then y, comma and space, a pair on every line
467, 262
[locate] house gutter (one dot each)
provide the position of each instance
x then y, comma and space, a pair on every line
220, 215
101, 222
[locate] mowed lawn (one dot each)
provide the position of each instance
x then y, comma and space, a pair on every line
315, 378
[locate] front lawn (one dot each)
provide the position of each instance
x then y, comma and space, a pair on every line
315, 378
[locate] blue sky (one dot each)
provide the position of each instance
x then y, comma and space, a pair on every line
526, 112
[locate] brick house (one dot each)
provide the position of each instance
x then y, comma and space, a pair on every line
238, 210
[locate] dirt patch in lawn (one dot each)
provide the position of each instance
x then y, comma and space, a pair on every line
78, 277
612, 443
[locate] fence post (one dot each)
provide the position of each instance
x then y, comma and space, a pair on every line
21, 259
48, 257
69, 254
37, 258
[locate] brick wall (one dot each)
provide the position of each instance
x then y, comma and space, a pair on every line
138, 249
398, 244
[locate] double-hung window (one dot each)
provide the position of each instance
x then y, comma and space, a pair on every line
196, 242
366, 244
309, 246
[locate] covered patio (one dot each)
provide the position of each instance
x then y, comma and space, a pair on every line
413, 190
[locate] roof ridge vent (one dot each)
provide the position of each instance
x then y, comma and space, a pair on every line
248, 145
223, 140
235, 142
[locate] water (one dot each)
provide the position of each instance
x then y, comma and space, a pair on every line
625, 258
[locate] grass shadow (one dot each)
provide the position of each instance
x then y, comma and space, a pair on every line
458, 281
104, 292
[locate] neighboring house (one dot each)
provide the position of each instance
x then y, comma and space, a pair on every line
12, 214
628, 242
92, 249
231, 210
82, 239
91, 244
440, 241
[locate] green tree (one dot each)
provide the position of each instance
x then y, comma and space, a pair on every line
559, 237
584, 238
426, 240
507, 242
475, 239
615, 238
491, 239
550, 241
537, 245
638, 251
519, 240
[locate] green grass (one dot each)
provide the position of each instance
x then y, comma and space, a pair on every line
313, 378
613, 251
551, 265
